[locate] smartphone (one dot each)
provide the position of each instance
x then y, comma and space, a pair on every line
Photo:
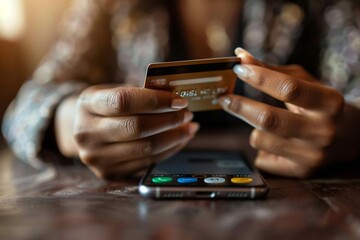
203, 174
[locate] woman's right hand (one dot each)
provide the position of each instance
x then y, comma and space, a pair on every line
121, 130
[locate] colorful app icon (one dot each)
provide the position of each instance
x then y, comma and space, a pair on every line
161, 179
214, 180
187, 180
240, 180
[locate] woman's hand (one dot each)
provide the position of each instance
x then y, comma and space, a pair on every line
316, 129
121, 130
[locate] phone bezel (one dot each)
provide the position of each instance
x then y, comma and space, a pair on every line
209, 192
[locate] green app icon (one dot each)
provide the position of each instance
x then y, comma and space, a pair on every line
161, 179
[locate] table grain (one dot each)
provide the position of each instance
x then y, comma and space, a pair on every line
69, 202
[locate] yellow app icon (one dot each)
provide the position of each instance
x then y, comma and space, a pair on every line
240, 180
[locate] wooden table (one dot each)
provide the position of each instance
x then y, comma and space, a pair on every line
68, 202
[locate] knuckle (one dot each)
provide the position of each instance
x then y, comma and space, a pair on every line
152, 101
261, 79
291, 91
235, 106
268, 120
118, 101
132, 126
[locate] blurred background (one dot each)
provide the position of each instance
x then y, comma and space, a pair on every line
27, 28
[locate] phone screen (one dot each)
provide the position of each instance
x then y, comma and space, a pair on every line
204, 173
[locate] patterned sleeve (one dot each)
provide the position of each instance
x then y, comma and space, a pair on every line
82, 55
340, 66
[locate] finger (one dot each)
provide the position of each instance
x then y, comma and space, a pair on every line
272, 119
246, 57
128, 128
296, 71
280, 166
128, 168
293, 149
288, 89
143, 148
122, 101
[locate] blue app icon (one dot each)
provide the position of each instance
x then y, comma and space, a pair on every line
187, 180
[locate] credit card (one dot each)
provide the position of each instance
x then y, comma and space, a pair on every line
199, 81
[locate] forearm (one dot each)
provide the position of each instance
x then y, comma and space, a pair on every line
64, 123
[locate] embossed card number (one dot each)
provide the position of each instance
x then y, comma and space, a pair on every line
199, 81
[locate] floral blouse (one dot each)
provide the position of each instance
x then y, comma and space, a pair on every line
103, 41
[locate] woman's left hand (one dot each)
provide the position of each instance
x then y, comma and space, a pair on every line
316, 129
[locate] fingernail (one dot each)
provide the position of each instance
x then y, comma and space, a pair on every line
238, 51
224, 102
193, 128
178, 103
188, 116
241, 71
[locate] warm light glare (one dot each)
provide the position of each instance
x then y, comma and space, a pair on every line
12, 22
